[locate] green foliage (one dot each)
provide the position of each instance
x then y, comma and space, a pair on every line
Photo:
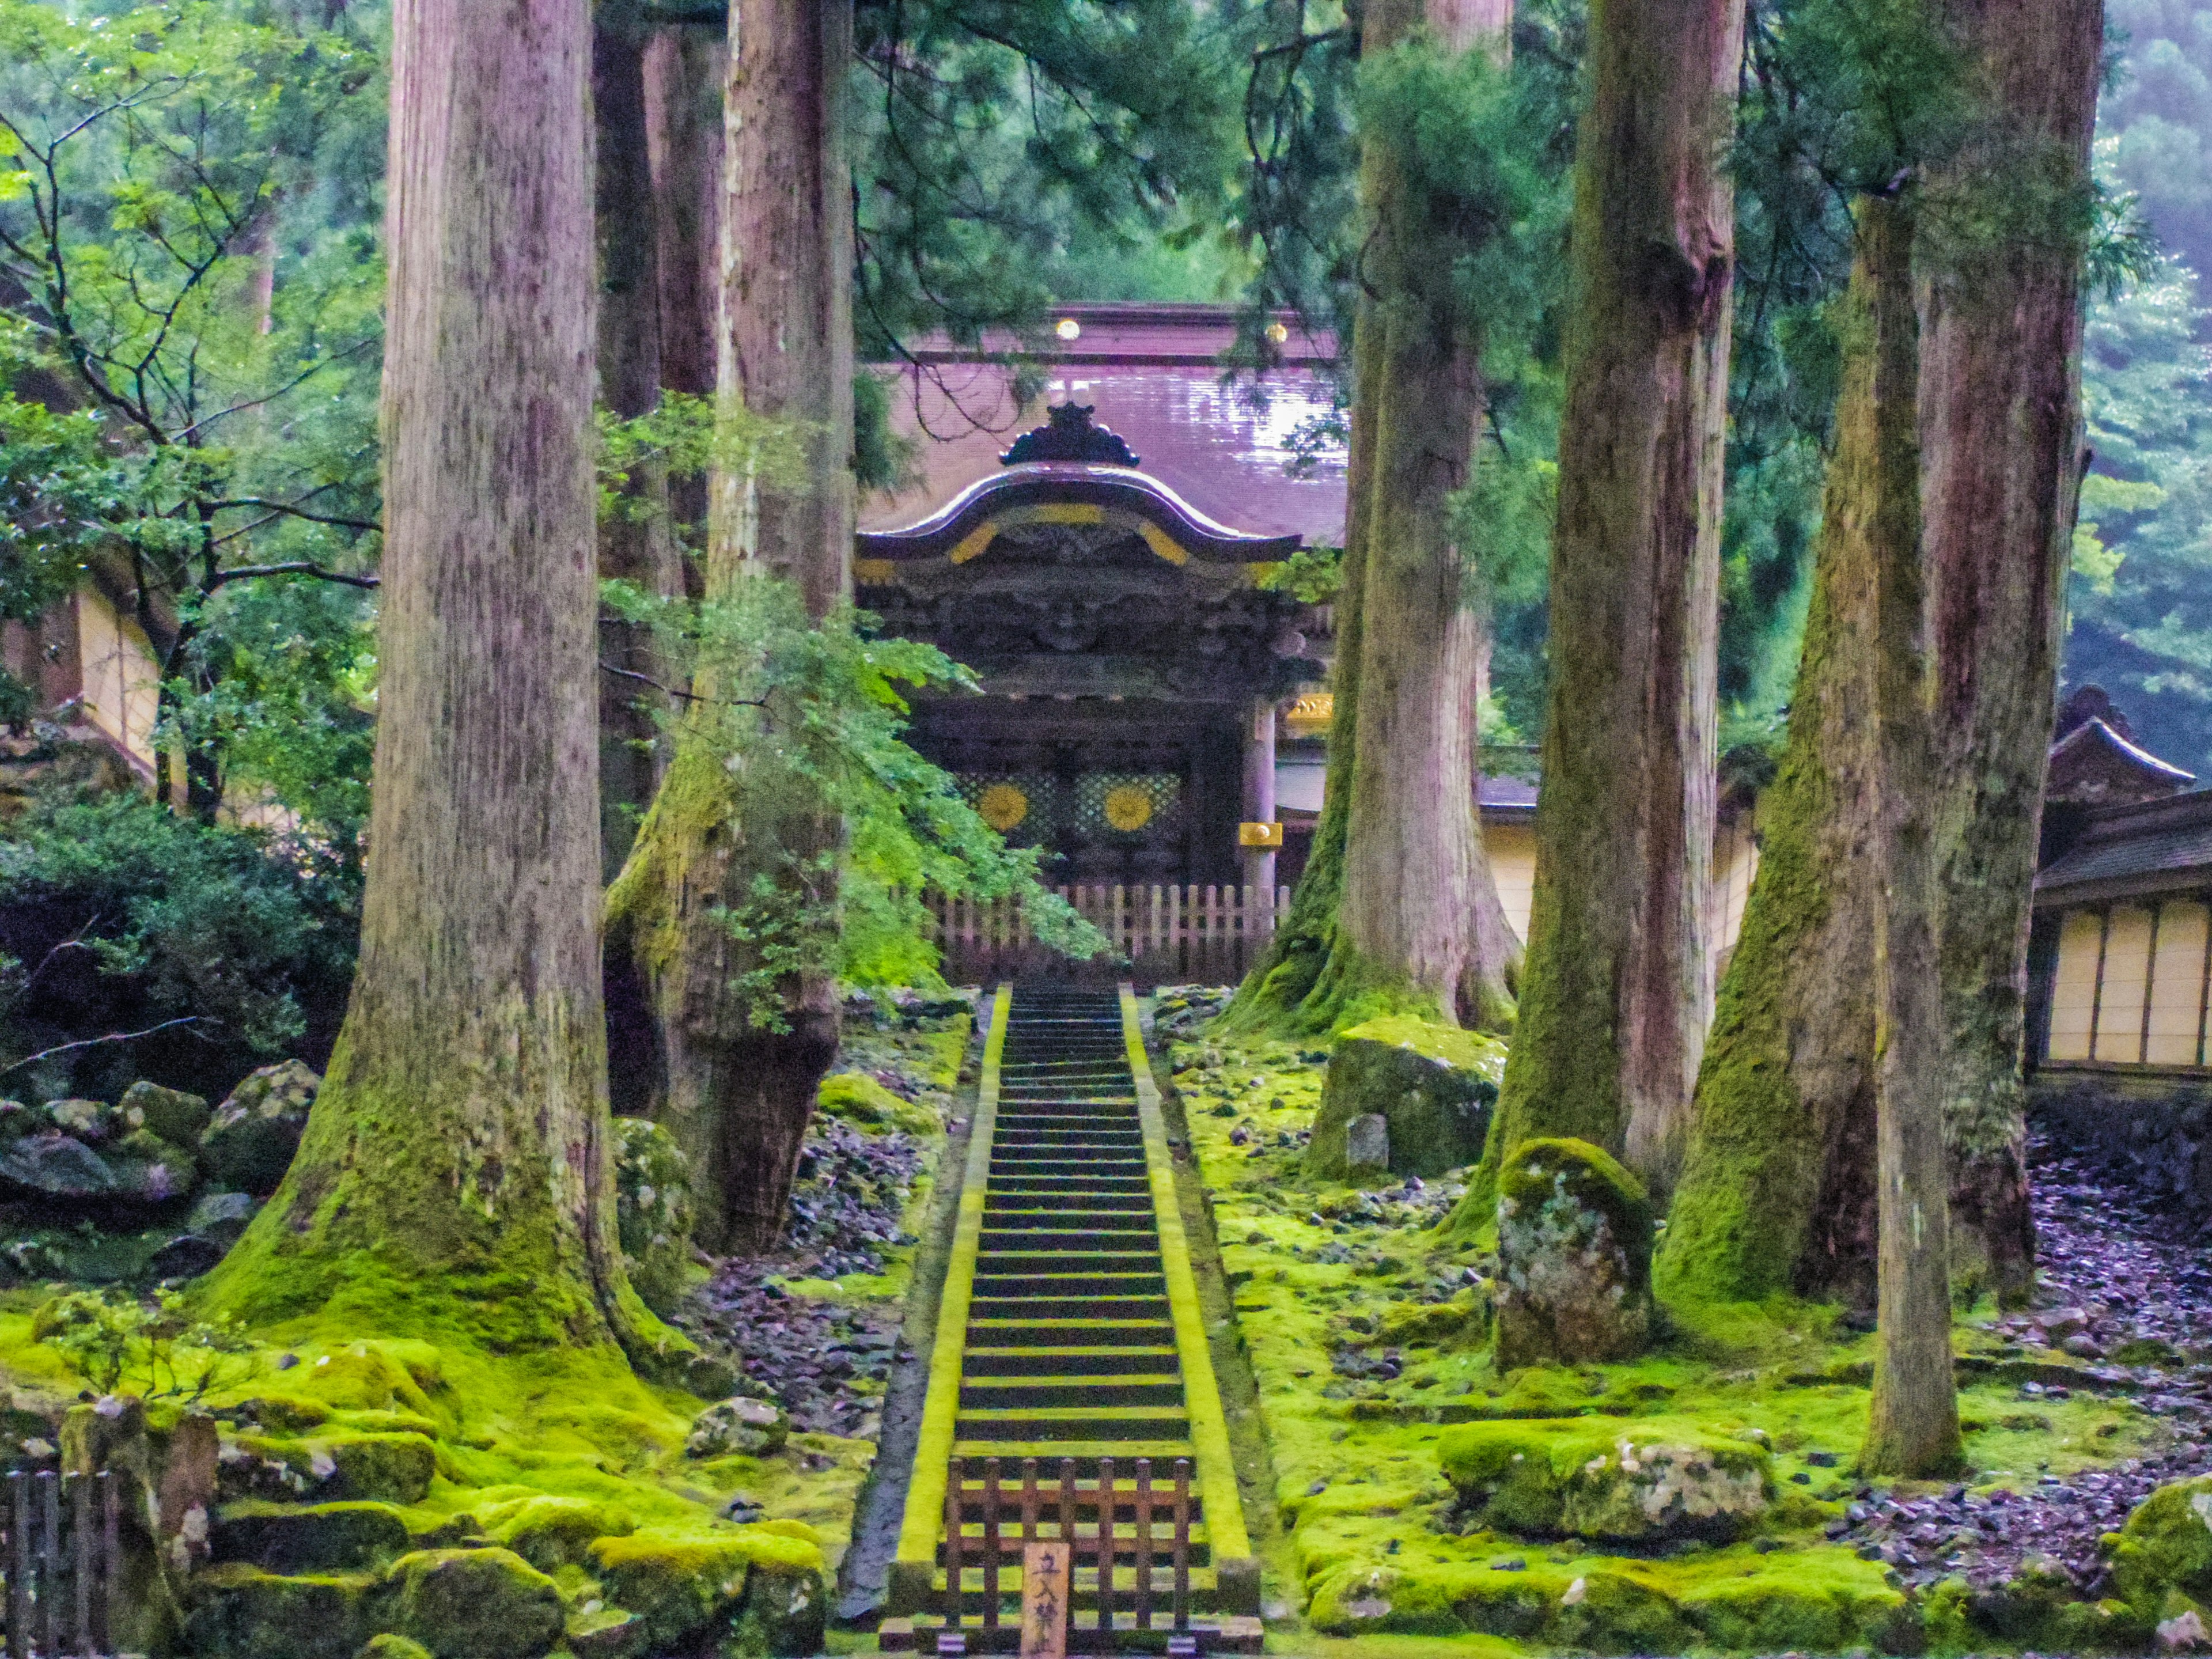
187, 208
234, 926
115, 1340
811, 712
2155, 119
2140, 624
1311, 575
996, 145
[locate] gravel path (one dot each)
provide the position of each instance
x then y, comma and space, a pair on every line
2121, 1282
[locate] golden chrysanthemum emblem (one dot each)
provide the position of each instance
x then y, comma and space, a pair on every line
1003, 806
1128, 808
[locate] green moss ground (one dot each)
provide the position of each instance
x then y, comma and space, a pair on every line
1368, 1546
551, 1451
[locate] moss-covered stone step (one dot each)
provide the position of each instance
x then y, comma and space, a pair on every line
1641, 1480
1113, 1388
310, 1538
1042, 1332
1021, 1424
1087, 1359
1065, 1286
1018, 1253
1084, 1206
1052, 1224
1070, 1307
1084, 1454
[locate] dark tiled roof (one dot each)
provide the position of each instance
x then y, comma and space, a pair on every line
2157, 844
1152, 375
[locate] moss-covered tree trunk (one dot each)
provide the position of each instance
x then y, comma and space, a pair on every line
684, 68
456, 1169
1912, 1423
683, 71
1275, 994
2001, 412
737, 1083
635, 544
1415, 870
1776, 1192
1617, 987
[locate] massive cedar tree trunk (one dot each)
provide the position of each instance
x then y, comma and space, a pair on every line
683, 71
1397, 895
1276, 992
1617, 986
2001, 414
636, 544
456, 1167
737, 1092
1912, 1424
1777, 1193
1418, 917
684, 68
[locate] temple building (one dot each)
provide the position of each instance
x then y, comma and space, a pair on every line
1155, 712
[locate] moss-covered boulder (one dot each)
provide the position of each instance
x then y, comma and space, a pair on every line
751, 1427
174, 1117
1370, 1600
474, 1604
244, 1613
685, 1587
1432, 1085
2166, 1544
606, 1633
391, 1469
1611, 1612
551, 1532
1648, 1480
250, 1138
653, 1209
296, 1538
783, 1614
858, 1099
1574, 1256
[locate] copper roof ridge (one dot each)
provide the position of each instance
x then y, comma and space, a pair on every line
1088, 482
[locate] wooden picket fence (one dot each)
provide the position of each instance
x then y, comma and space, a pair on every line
1159, 935
61, 1552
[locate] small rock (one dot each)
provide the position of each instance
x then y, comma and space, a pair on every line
752, 1427
250, 1141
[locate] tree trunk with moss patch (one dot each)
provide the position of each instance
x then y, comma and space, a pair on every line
1276, 992
735, 1090
1414, 869
2001, 427
1617, 985
636, 544
1912, 1424
456, 1170
684, 68
1776, 1194
1396, 904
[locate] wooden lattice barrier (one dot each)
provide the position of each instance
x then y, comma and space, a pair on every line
1159, 935
62, 1557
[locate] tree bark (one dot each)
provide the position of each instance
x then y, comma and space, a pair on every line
1912, 1424
456, 1168
2001, 413
683, 71
1778, 1190
1414, 869
1617, 986
684, 68
736, 1092
1277, 993
637, 544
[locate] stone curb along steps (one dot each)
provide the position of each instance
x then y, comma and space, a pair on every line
1070, 1328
